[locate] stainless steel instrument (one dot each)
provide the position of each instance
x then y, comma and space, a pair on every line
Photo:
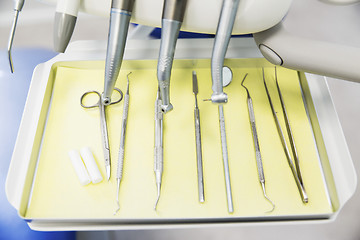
297, 178
222, 38
119, 23
158, 150
173, 15
198, 140
103, 124
119, 172
18, 5
259, 163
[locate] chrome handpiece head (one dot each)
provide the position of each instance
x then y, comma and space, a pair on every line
222, 39
173, 14
18, 5
120, 15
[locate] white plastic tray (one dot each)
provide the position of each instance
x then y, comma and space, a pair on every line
328, 133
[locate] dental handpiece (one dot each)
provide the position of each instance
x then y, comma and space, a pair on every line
18, 5
65, 20
119, 23
173, 15
158, 150
221, 42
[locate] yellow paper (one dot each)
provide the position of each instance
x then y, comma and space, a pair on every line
57, 192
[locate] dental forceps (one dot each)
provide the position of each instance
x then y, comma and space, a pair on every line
103, 124
259, 163
294, 170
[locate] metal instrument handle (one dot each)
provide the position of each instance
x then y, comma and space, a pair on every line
122, 137
256, 140
199, 155
225, 159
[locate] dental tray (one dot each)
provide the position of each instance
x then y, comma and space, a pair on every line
44, 188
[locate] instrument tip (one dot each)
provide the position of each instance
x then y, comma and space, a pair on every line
108, 172
267, 198
10, 61
118, 208
158, 195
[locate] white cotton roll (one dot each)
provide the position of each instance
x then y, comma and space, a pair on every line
91, 165
79, 167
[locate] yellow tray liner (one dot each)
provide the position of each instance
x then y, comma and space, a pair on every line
58, 194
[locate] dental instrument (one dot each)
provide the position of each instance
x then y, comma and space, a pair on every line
65, 20
198, 140
120, 15
122, 143
158, 149
172, 17
18, 5
227, 75
225, 158
103, 124
221, 42
299, 184
289, 131
259, 163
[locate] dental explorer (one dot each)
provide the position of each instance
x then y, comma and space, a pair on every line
299, 184
172, 17
158, 149
221, 42
18, 5
198, 140
118, 28
65, 20
259, 163
119, 173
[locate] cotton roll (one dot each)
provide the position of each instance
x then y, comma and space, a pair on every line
79, 167
91, 165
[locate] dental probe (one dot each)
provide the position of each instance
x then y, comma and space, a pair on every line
18, 5
158, 150
221, 42
118, 28
198, 141
172, 17
259, 163
65, 20
119, 173
299, 184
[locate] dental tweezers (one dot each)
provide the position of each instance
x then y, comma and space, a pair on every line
259, 163
294, 170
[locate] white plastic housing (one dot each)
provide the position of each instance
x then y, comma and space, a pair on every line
201, 15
